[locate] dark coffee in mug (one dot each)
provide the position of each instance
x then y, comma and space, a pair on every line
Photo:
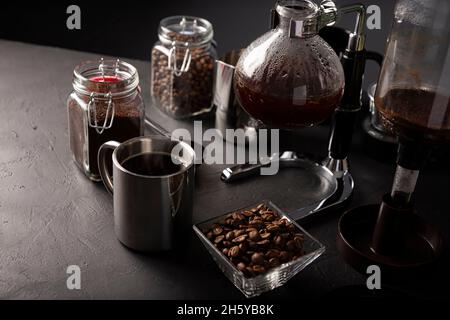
152, 164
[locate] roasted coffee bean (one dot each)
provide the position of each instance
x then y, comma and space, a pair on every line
266, 236
218, 231
237, 216
291, 227
279, 241
258, 258
239, 233
230, 235
229, 221
252, 245
285, 256
210, 235
219, 239
269, 218
286, 236
248, 214
274, 262
261, 206
273, 228
225, 251
243, 246
284, 224
240, 239
291, 245
299, 242
257, 269
227, 244
249, 271
241, 266
256, 223
263, 243
254, 236
272, 253
234, 252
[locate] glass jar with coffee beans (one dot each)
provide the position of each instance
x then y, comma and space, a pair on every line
105, 104
183, 66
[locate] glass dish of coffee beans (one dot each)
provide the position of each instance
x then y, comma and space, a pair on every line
258, 248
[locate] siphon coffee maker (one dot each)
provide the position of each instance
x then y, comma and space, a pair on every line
290, 78
413, 98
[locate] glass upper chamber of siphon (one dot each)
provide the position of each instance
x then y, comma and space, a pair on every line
413, 92
290, 77
106, 104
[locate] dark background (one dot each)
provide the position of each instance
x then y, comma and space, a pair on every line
129, 29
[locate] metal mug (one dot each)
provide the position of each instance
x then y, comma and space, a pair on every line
151, 213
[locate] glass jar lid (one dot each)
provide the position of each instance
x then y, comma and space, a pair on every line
192, 31
105, 77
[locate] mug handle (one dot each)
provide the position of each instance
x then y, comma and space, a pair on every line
101, 159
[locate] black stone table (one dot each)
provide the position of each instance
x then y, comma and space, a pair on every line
51, 216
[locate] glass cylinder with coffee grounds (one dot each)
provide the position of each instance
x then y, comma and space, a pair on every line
183, 66
106, 104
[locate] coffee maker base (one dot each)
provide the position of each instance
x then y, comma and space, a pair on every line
354, 241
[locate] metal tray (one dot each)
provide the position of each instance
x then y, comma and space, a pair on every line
310, 188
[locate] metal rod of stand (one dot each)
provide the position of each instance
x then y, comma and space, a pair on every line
353, 61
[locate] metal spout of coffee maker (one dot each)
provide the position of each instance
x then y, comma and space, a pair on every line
353, 61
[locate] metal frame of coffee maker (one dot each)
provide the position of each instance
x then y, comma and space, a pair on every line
353, 61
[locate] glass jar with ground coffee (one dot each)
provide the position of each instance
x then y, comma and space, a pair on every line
182, 66
106, 104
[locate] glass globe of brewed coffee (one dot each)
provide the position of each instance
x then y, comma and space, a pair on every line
290, 77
